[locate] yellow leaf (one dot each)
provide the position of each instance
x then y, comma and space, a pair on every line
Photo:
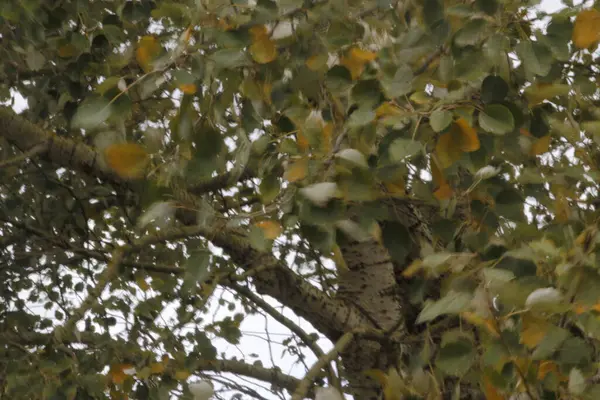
188, 88
157, 368
128, 160
412, 269
533, 330
262, 49
468, 139
387, 110
547, 367
258, 31
378, 376
181, 375
586, 30
147, 51
317, 61
447, 150
484, 323
296, 171
356, 59
66, 50
302, 141
142, 284
338, 259
561, 208
443, 192
326, 133
271, 229
117, 373
540, 146
539, 92
491, 393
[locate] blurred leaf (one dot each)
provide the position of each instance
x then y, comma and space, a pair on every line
262, 49
128, 160
271, 229
148, 49
440, 119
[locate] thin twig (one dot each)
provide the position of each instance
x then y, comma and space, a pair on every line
288, 323
429, 60
34, 151
313, 372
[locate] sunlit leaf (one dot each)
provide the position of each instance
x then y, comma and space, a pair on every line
540, 146
296, 170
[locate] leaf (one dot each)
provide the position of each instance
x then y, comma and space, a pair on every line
540, 146
539, 92
497, 119
452, 303
271, 229
128, 160
542, 298
320, 193
490, 391
468, 139
160, 212
586, 31
456, 358
533, 330
400, 84
353, 157
447, 150
317, 61
577, 382
181, 374
296, 171
356, 59
263, 50
493, 89
157, 368
147, 51
536, 57
34, 59
92, 112
188, 88
402, 148
440, 119
196, 269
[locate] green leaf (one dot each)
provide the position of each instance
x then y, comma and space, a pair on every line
536, 57
497, 119
196, 268
440, 120
471, 34
456, 358
35, 59
400, 84
452, 303
493, 89
403, 148
92, 112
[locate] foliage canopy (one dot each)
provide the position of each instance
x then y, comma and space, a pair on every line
174, 150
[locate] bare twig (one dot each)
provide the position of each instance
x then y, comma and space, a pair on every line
313, 372
34, 151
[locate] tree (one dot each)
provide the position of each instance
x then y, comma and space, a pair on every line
417, 180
